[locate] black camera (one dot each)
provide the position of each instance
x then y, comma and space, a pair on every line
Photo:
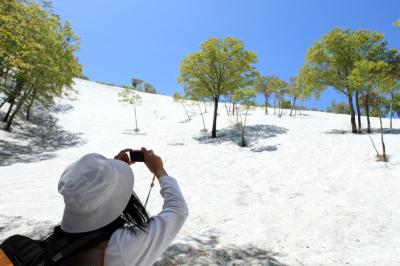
136, 156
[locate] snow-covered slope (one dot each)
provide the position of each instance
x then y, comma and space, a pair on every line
305, 192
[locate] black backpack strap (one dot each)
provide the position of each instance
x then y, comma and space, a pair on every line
22, 250
80, 243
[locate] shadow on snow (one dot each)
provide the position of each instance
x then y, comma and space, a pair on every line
253, 134
205, 251
41, 137
394, 131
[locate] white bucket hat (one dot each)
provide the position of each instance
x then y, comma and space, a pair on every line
96, 191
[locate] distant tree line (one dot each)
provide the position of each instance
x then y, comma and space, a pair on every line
37, 62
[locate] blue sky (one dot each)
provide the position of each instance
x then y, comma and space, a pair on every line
121, 39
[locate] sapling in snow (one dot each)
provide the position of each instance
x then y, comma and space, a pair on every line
130, 97
245, 99
180, 99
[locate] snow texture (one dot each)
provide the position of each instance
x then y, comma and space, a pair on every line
305, 192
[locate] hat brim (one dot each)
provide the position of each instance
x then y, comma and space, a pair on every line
79, 222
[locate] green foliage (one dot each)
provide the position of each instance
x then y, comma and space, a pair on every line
246, 97
221, 67
286, 104
36, 53
136, 83
330, 61
338, 108
141, 85
397, 23
130, 96
177, 96
147, 87
375, 75
270, 85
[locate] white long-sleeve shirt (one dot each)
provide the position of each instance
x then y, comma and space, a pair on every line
138, 247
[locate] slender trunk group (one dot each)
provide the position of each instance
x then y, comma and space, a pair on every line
28, 111
367, 112
266, 102
384, 158
358, 112
21, 100
391, 110
293, 105
353, 118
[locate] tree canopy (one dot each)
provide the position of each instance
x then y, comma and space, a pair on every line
330, 61
37, 61
220, 67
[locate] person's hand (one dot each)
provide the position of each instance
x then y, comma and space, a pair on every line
154, 163
123, 156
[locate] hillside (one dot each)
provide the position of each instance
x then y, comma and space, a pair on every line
306, 192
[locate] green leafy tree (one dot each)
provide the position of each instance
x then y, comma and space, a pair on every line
36, 56
137, 84
338, 108
330, 61
221, 66
148, 88
262, 85
378, 76
131, 97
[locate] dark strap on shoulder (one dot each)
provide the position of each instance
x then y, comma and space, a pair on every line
76, 245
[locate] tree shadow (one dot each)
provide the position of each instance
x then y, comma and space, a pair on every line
134, 132
253, 134
37, 140
388, 131
206, 251
61, 108
265, 148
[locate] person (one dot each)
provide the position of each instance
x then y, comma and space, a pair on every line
98, 196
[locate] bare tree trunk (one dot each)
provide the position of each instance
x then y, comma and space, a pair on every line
391, 110
205, 106
12, 99
293, 105
20, 102
9, 111
266, 102
275, 105
244, 144
136, 127
353, 118
214, 127
383, 143
358, 112
226, 107
367, 111
233, 108
186, 111
28, 111
202, 117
